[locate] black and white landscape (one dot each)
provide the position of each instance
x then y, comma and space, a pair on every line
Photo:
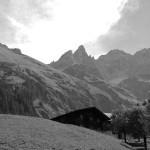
74, 74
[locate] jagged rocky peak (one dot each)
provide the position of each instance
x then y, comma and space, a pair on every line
80, 54
114, 54
92, 57
110, 54
117, 52
3, 46
81, 48
64, 61
67, 55
79, 57
144, 52
16, 50
80, 51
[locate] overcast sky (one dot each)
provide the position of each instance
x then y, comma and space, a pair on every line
45, 29
131, 33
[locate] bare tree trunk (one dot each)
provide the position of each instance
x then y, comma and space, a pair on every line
139, 139
125, 137
119, 135
145, 143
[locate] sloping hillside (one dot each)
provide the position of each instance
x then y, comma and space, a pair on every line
117, 95
138, 85
29, 133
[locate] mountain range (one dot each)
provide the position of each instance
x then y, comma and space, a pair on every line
117, 68
30, 87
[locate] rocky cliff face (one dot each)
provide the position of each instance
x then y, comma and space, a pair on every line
139, 80
116, 64
65, 61
142, 62
131, 72
82, 57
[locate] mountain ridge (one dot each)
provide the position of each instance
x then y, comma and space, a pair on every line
30, 87
80, 56
117, 67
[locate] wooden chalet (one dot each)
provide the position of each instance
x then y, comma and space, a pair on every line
91, 118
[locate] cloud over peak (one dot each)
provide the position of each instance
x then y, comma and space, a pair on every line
131, 33
45, 29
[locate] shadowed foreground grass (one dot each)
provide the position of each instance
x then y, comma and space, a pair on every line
30, 133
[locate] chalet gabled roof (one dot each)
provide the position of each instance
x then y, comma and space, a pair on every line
93, 109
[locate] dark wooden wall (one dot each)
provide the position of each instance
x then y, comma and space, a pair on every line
90, 118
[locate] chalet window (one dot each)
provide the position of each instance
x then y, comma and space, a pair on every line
81, 116
63, 119
91, 118
98, 121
